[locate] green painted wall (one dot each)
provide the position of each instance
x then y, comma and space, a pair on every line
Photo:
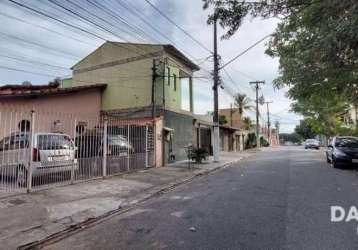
129, 84
170, 87
66, 83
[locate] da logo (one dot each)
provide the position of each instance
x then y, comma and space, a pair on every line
339, 214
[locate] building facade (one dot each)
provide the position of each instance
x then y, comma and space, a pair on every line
143, 80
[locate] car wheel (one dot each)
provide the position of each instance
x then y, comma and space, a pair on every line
334, 163
328, 160
21, 176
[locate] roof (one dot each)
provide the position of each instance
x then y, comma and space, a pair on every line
168, 48
11, 88
11, 91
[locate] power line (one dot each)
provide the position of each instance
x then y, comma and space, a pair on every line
245, 51
104, 20
122, 20
39, 45
26, 71
136, 13
44, 28
180, 28
70, 25
33, 61
56, 19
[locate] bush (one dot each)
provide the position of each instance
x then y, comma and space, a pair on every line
199, 154
264, 142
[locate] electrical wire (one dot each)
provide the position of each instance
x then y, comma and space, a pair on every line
180, 28
245, 51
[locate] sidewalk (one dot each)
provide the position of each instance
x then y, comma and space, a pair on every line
27, 218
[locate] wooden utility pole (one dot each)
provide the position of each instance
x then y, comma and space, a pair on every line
216, 143
257, 87
231, 112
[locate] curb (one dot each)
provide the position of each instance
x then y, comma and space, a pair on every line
97, 220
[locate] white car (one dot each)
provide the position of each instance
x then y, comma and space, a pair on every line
311, 143
51, 153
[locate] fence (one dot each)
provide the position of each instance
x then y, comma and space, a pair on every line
44, 149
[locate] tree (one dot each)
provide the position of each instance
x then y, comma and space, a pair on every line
242, 102
292, 137
316, 42
222, 119
247, 123
277, 126
305, 129
55, 82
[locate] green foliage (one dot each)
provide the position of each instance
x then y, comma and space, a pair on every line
293, 137
242, 102
305, 129
251, 141
222, 119
247, 123
199, 154
264, 142
316, 43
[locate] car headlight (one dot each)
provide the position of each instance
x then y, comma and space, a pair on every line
340, 153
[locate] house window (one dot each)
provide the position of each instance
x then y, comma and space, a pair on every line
175, 82
168, 69
24, 125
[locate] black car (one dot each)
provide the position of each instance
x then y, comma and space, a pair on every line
343, 151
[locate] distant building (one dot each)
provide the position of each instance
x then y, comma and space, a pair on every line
233, 117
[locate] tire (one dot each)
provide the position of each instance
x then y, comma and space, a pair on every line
21, 176
334, 164
328, 160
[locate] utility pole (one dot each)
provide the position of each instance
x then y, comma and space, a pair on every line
268, 122
216, 141
154, 77
231, 112
257, 87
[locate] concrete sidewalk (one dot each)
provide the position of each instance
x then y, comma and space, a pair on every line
27, 218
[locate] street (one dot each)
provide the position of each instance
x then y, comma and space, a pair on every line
277, 199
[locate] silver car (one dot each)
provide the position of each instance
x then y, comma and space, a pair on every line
51, 153
311, 143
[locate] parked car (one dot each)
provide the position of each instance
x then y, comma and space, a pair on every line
311, 143
51, 153
91, 145
343, 151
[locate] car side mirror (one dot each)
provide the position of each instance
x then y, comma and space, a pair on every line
330, 146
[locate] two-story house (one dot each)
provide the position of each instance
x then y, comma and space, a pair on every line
143, 81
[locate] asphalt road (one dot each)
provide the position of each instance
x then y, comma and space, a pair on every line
277, 199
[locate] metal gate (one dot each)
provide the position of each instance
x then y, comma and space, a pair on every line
41, 149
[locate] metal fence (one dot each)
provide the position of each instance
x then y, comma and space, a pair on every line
43, 149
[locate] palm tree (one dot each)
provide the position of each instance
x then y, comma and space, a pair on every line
242, 102
247, 123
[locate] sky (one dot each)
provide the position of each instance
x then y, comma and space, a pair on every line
31, 43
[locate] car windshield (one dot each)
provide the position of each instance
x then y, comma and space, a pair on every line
53, 141
347, 142
117, 140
